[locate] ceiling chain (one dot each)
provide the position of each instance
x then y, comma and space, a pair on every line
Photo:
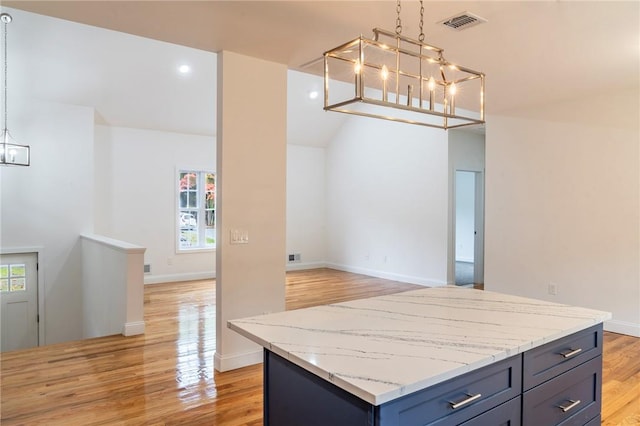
398, 21
421, 36
6, 18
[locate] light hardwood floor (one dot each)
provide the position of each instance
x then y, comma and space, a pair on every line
166, 377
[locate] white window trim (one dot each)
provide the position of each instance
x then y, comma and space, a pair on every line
176, 203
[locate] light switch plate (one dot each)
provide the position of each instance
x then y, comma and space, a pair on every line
239, 236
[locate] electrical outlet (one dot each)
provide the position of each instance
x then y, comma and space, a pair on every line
553, 289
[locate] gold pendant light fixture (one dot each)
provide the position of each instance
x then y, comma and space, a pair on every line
11, 153
393, 77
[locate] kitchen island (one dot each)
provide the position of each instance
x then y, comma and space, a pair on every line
434, 356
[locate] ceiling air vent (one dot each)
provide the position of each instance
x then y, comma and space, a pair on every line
462, 21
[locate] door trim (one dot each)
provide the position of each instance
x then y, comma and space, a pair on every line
478, 266
479, 212
39, 251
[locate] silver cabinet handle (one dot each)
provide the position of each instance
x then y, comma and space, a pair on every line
572, 352
471, 398
572, 404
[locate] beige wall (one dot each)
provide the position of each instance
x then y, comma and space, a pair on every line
563, 205
251, 166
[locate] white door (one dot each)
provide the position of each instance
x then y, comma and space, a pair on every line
18, 301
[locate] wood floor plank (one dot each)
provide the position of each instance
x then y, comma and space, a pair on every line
166, 376
621, 380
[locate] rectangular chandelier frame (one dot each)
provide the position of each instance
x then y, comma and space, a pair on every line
12, 154
403, 80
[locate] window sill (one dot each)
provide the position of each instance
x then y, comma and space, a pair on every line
196, 250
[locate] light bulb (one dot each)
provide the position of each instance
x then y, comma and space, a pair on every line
452, 106
313, 94
384, 73
432, 92
357, 69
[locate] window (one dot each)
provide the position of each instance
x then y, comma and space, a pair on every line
13, 278
196, 210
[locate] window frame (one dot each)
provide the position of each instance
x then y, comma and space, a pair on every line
11, 276
201, 209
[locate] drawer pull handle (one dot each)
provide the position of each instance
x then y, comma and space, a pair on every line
571, 353
572, 404
464, 402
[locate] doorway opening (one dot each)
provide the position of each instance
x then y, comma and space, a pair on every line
469, 225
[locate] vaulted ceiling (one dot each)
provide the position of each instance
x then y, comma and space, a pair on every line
533, 53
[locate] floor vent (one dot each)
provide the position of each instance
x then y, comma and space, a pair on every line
147, 268
462, 21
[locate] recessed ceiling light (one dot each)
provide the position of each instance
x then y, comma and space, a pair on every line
313, 94
184, 69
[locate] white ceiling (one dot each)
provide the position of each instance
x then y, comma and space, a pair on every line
533, 52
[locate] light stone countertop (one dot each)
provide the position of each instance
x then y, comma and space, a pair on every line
385, 347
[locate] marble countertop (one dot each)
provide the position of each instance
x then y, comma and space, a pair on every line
385, 347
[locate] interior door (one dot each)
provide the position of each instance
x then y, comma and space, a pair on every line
18, 301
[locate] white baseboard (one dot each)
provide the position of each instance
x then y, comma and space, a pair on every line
133, 328
622, 327
231, 362
186, 276
305, 265
387, 275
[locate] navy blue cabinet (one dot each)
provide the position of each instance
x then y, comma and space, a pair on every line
563, 381
555, 384
457, 400
548, 361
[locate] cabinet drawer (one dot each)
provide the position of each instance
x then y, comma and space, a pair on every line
596, 421
443, 404
571, 399
545, 362
507, 414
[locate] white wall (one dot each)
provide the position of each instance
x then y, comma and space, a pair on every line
50, 203
136, 195
465, 215
112, 287
306, 207
387, 201
563, 206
